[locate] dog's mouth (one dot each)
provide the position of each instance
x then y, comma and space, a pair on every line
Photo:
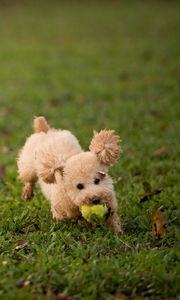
95, 200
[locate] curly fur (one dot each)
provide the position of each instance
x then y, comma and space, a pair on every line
105, 145
40, 125
56, 160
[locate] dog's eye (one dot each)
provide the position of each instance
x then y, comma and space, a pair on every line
80, 186
97, 181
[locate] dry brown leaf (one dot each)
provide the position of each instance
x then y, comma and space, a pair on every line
6, 132
23, 283
51, 294
121, 296
4, 149
27, 283
162, 152
158, 224
62, 296
124, 76
148, 196
22, 244
2, 172
121, 179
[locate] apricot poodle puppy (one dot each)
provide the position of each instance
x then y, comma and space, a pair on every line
68, 176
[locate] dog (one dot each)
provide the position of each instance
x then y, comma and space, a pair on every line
68, 176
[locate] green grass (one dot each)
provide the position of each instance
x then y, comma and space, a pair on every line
92, 65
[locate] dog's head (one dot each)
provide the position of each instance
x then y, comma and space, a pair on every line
85, 175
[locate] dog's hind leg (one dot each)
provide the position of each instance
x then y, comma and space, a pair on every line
28, 177
28, 190
26, 167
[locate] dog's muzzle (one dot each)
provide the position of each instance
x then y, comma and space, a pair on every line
95, 200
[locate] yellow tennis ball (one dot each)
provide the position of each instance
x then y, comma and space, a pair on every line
94, 212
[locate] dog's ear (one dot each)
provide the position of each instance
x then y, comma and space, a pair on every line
105, 144
49, 163
47, 172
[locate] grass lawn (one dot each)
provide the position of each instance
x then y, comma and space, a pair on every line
89, 65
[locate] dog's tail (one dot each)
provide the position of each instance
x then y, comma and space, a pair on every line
40, 125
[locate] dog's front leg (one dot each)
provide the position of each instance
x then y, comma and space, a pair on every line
112, 218
57, 212
114, 222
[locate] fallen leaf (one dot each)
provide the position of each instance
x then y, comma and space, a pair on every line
123, 76
4, 149
155, 113
148, 196
158, 224
23, 283
164, 60
82, 238
27, 283
6, 132
162, 152
22, 244
62, 296
2, 172
121, 296
121, 179
54, 295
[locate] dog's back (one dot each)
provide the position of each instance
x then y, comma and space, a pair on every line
45, 144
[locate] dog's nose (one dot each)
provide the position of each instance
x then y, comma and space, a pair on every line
95, 200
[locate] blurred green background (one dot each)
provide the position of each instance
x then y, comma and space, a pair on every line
90, 65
